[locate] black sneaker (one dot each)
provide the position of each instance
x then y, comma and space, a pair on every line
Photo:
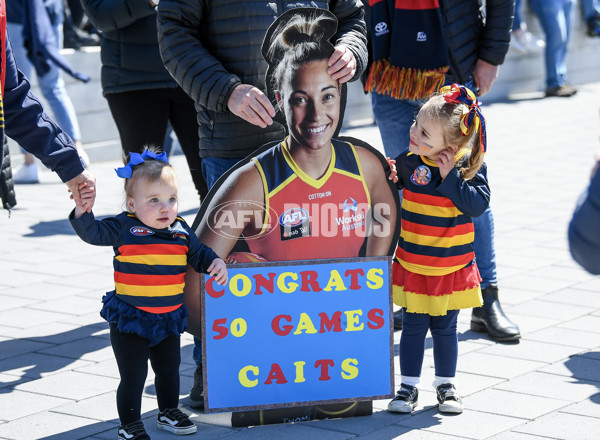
448, 399
176, 421
133, 431
405, 401
197, 393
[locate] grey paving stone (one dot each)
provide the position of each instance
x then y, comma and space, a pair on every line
532, 350
566, 336
512, 404
404, 433
22, 404
496, 366
90, 349
578, 367
574, 295
72, 305
106, 368
70, 385
10, 302
593, 285
588, 323
54, 332
470, 424
544, 309
37, 365
588, 407
44, 291
14, 347
52, 426
552, 386
100, 408
563, 426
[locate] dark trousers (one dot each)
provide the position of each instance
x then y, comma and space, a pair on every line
132, 353
445, 343
142, 116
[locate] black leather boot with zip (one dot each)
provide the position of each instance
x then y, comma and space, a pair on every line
491, 319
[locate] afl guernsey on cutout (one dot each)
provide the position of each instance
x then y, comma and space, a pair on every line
308, 218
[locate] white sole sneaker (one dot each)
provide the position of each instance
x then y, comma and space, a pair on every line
175, 430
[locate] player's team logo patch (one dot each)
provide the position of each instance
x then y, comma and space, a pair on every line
421, 176
294, 223
141, 231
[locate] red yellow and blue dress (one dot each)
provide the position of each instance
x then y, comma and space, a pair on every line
434, 269
149, 269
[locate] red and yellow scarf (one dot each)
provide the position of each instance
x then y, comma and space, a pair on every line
410, 58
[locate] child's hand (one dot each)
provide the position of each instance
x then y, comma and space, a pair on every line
79, 210
445, 161
83, 190
394, 173
218, 269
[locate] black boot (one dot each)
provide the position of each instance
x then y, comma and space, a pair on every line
490, 318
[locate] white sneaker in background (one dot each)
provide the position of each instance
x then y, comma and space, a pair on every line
84, 156
525, 42
27, 174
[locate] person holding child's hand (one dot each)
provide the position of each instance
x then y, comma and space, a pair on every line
145, 312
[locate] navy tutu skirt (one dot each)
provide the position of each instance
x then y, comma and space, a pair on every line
153, 326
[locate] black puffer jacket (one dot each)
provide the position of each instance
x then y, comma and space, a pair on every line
212, 46
129, 45
473, 34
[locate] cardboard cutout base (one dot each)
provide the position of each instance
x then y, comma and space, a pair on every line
301, 414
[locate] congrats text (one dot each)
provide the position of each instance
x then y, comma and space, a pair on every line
297, 333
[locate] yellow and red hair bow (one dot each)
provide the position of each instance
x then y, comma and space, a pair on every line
456, 94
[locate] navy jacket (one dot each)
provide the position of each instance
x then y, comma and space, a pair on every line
584, 229
26, 123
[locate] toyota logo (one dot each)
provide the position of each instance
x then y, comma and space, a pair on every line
381, 27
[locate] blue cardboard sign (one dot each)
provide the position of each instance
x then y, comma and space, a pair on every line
298, 333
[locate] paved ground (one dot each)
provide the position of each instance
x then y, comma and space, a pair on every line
58, 376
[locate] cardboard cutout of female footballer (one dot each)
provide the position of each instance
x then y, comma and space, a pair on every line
311, 195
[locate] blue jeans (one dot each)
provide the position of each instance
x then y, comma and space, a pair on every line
394, 118
517, 17
555, 17
412, 343
51, 84
212, 169
590, 8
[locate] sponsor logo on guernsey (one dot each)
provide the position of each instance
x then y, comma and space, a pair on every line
295, 223
351, 219
381, 28
141, 231
350, 204
421, 36
421, 176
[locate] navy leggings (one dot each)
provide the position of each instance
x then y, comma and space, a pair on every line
132, 353
412, 343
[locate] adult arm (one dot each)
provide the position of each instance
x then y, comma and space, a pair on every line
351, 35
28, 125
383, 205
494, 42
110, 15
584, 228
471, 197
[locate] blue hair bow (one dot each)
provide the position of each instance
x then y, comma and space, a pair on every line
136, 159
